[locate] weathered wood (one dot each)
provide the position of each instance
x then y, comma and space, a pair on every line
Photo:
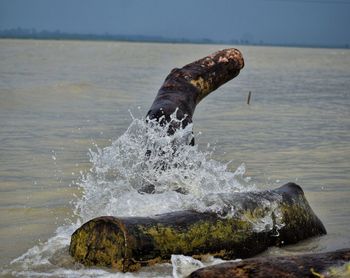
184, 88
330, 264
127, 243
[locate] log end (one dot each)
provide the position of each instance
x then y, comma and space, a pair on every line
300, 221
216, 70
184, 88
100, 242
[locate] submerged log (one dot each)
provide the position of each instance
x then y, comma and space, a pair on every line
127, 243
330, 264
184, 88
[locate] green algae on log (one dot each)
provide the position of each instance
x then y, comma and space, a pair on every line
184, 88
128, 243
330, 264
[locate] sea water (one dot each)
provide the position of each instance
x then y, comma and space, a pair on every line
74, 138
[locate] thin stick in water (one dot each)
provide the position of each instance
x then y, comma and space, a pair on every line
249, 95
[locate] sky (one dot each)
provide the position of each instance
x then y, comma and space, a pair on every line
315, 22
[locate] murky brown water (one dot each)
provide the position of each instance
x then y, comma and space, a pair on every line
58, 98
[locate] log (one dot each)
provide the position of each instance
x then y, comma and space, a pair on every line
128, 243
330, 264
184, 88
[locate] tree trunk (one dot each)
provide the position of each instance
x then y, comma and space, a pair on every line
184, 88
331, 264
127, 243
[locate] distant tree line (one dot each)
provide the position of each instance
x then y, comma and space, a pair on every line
32, 33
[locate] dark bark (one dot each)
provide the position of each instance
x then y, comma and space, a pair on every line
330, 264
184, 88
127, 243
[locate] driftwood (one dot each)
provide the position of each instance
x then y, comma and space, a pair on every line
127, 243
184, 88
331, 264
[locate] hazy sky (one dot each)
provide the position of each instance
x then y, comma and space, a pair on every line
275, 21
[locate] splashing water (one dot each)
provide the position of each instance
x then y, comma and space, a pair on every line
145, 159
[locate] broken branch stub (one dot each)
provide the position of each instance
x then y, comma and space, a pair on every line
184, 88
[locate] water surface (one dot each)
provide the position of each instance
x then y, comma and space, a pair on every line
58, 99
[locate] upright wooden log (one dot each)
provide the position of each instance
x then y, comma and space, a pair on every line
184, 88
127, 243
322, 265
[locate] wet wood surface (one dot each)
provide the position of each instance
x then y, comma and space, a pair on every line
184, 88
321, 265
128, 243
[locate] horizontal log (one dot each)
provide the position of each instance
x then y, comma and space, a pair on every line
127, 243
184, 88
330, 264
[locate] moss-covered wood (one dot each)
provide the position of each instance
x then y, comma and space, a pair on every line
184, 88
129, 243
330, 264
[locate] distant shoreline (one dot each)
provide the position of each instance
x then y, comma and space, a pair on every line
47, 35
